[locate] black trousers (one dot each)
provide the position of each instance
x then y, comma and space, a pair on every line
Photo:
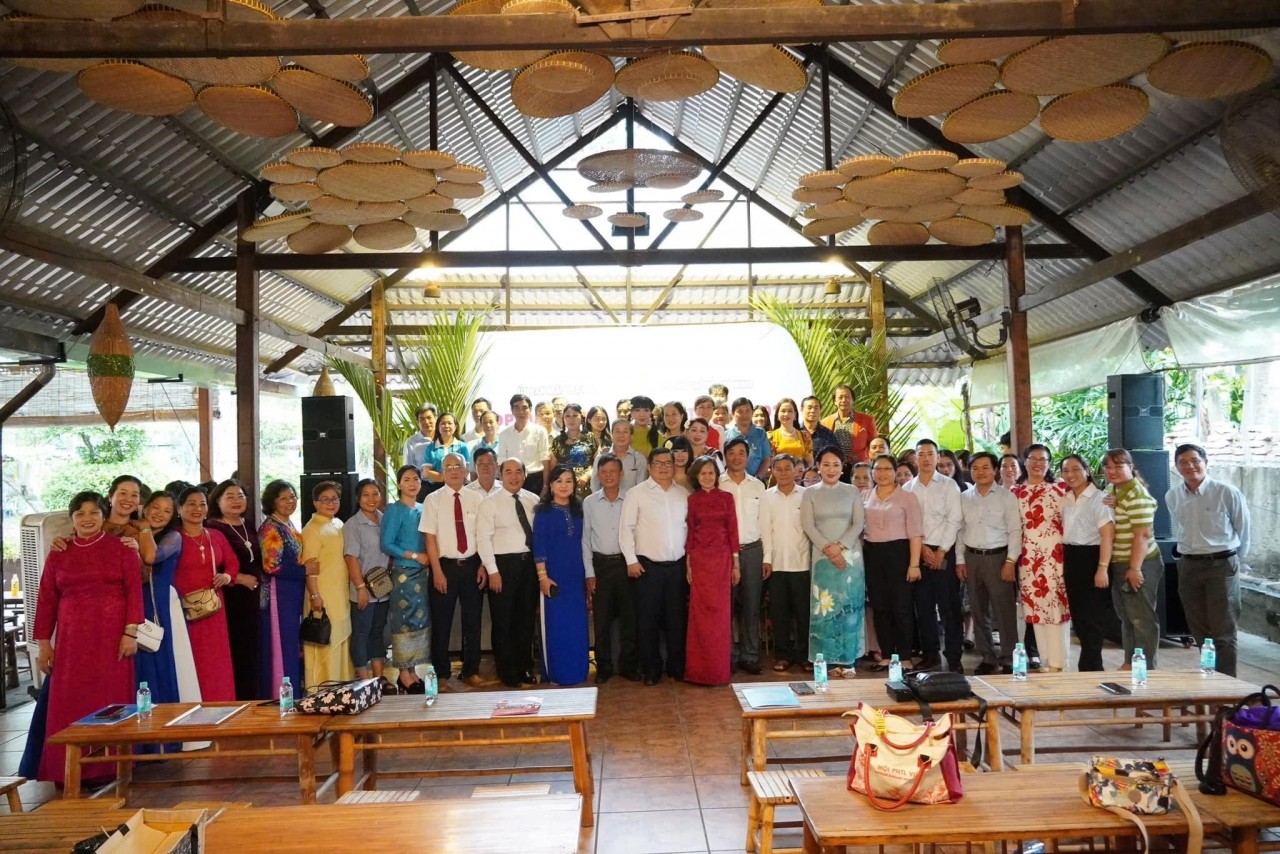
512, 613
1089, 605
891, 596
533, 482
789, 612
460, 576
614, 601
938, 592
662, 606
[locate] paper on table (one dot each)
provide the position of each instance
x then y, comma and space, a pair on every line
206, 715
770, 697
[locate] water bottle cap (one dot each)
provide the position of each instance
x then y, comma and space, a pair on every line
894, 657
1137, 650
285, 680
819, 657
1019, 646
142, 685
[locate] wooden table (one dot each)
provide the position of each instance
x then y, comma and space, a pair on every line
1040, 803
844, 696
467, 718
547, 824
294, 735
1171, 696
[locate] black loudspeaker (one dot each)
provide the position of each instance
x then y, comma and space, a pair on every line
328, 435
1154, 468
346, 480
1135, 411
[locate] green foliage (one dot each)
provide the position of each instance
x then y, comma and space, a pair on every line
1074, 422
98, 445
66, 480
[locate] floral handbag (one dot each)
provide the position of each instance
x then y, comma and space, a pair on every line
1135, 787
896, 762
341, 698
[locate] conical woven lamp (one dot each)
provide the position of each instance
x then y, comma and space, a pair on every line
110, 366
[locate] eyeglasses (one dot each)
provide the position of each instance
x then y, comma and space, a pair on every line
330, 500
455, 468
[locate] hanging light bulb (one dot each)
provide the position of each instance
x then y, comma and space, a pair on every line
833, 287
431, 291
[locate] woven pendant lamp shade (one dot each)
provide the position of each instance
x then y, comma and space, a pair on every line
376, 182
1095, 114
990, 117
702, 197
1211, 69
385, 236
962, 231
323, 98
315, 158
319, 237
957, 51
350, 67
132, 87
682, 215
628, 219
273, 227
581, 212
897, 234
110, 365
944, 89
491, 60
666, 77
251, 110
1075, 63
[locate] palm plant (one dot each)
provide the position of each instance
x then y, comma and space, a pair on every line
392, 419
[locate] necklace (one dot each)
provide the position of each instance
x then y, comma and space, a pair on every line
87, 543
242, 534
200, 542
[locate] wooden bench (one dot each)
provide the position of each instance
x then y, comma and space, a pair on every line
771, 789
388, 796
9, 787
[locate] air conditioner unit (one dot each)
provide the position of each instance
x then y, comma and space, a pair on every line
38, 531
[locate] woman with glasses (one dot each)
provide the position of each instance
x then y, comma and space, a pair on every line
322, 555
1042, 585
283, 590
1136, 565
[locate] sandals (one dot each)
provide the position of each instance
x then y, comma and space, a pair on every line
781, 666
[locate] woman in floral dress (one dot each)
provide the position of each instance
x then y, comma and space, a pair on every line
576, 448
832, 515
1042, 587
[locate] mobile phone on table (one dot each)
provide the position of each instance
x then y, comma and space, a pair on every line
110, 712
1114, 688
801, 689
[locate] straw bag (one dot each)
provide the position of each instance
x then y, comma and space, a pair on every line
1134, 787
205, 602
896, 762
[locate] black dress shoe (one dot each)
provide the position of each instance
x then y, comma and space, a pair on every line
651, 680
418, 687
955, 667
986, 669
631, 677
603, 676
752, 667
931, 662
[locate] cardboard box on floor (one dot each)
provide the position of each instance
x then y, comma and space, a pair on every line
160, 832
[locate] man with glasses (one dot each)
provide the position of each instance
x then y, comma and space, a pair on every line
504, 535
938, 591
526, 441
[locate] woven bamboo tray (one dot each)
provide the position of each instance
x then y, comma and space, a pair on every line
450, 220
315, 157
897, 234
943, 89
828, 227
376, 182
666, 77
1075, 63
132, 87
251, 110
319, 237
350, 67
273, 227
962, 231
903, 187
491, 60
1211, 69
1095, 114
323, 98
774, 71
957, 51
385, 236
428, 159
866, 165
991, 117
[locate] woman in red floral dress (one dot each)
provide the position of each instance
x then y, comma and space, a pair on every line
1042, 587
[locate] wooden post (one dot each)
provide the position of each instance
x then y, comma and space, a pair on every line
879, 340
247, 407
1017, 353
204, 413
378, 310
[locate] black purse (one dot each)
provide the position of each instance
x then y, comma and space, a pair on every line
938, 686
315, 629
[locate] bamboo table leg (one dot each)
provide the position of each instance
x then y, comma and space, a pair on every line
346, 762
746, 750
124, 770
307, 768
582, 782
371, 762
759, 744
1244, 840
995, 755
71, 788
1028, 736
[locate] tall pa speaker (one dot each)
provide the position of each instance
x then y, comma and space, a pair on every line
1154, 468
346, 480
1135, 411
328, 435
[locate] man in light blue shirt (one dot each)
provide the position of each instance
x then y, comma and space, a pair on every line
415, 447
607, 582
1211, 528
760, 453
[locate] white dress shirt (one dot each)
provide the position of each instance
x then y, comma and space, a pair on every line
635, 468
531, 446
654, 522
474, 486
786, 548
1084, 517
746, 501
601, 523
991, 521
438, 519
498, 529
939, 508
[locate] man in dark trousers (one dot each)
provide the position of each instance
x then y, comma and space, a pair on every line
504, 534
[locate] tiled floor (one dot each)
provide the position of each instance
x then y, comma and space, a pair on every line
665, 761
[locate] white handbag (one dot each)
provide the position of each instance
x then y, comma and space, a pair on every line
150, 634
896, 762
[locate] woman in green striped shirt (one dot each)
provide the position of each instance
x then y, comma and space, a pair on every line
1136, 566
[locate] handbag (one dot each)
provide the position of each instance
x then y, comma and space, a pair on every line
1242, 749
150, 634
938, 686
1134, 787
341, 698
896, 762
315, 629
378, 580
205, 602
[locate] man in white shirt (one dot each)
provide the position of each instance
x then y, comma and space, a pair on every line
449, 521
504, 534
635, 467
479, 407
607, 581
785, 553
986, 553
415, 446
485, 463
938, 592
749, 594
652, 537
526, 441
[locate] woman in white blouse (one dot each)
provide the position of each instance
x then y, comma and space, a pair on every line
1088, 528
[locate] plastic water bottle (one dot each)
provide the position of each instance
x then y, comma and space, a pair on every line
286, 696
1208, 658
14, 588
1019, 661
1138, 673
895, 668
820, 673
144, 701
433, 686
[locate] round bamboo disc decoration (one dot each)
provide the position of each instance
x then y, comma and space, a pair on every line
449, 220
990, 117
77, 9
944, 89
285, 172
666, 77
970, 196
609, 187
998, 181
927, 161
929, 211
628, 220
1095, 114
319, 237
385, 236
962, 231
333, 204
272, 227
430, 203
1211, 69
702, 197
62, 66
667, 181
865, 165
251, 110
371, 152
111, 367
492, 60
836, 209
323, 98
429, 159
236, 71
885, 212
303, 192
376, 182
816, 196
315, 158
955, 51
728, 54
828, 227
132, 87
903, 187
455, 190
976, 167
461, 173
898, 234
537, 7
1074, 63
997, 214
582, 211
682, 215
775, 70
350, 67
823, 180
562, 84
362, 214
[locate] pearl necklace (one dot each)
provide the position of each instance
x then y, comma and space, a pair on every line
242, 534
75, 540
